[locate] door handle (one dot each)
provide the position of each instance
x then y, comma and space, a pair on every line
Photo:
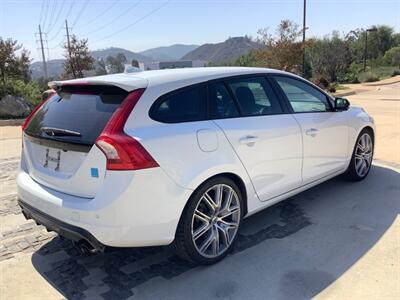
248, 139
312, 132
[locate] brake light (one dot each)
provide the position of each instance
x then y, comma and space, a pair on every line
122, 151
33, 112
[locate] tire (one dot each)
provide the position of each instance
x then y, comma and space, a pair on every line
362, 156
207, 236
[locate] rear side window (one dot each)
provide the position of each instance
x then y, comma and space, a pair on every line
255, 97
181, 106
221, 103
76, 116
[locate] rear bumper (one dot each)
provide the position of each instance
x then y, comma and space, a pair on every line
66, 230
131, 209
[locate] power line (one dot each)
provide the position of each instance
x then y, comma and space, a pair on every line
80, 13
41, 12
114, 19
62, 25
53, 8
102, 13
57, 16
46, 10
135, 22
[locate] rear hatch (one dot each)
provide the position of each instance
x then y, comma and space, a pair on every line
59, 139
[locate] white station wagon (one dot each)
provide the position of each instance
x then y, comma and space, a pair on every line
182, 156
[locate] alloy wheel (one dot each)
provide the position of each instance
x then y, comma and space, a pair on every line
363, 154
215, 221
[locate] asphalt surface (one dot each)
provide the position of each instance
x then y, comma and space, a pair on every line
293, 250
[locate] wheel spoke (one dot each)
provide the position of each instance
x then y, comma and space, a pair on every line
202, 216
215, 246
201, 231
207, 242
229, 212
218, 196
210, 202
225, 236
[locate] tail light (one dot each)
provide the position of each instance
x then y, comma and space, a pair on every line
33, 112
122, 151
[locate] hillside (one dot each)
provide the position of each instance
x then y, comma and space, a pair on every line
173, 52
55, 66
113, 51
224, 52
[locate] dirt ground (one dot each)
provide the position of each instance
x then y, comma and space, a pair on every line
335, 241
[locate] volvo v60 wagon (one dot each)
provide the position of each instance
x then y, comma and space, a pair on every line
182, 156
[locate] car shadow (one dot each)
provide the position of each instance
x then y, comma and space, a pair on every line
292, 250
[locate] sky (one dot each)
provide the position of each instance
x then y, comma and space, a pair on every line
137, 25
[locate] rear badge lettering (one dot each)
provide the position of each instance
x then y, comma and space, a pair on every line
94, 172
52, 159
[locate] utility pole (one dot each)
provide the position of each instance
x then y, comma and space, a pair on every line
43, 56
69, 49
304, 37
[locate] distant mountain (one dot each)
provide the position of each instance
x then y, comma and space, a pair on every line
114, 51
55, 66
173, 52
224, 52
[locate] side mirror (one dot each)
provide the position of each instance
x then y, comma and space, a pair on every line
341, 104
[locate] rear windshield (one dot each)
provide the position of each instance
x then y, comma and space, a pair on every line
76, 115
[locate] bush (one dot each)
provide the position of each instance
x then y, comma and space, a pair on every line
395, 73
331, 88
28, 90
348, 78
321, 82
369, 77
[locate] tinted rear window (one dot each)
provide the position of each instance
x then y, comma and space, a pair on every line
182, 106
76, 116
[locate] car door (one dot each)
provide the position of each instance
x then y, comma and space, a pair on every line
324, 131
266, 139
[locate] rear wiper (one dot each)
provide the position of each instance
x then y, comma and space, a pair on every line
52, 131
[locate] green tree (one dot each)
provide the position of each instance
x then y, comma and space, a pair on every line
135, 63
330, 56
116, 64
392, 57
283, 51
379, 42
101, 67
12, 65
78, 58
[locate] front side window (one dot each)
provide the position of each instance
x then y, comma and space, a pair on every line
182, 106
303, 97
221, 103
255, 97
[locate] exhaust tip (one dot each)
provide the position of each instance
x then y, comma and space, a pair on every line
86, 248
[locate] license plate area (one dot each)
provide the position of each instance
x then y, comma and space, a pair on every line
52, 159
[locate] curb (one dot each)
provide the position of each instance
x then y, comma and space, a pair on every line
342, 94
391, 80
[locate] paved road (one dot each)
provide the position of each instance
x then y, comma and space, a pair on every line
338, 240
